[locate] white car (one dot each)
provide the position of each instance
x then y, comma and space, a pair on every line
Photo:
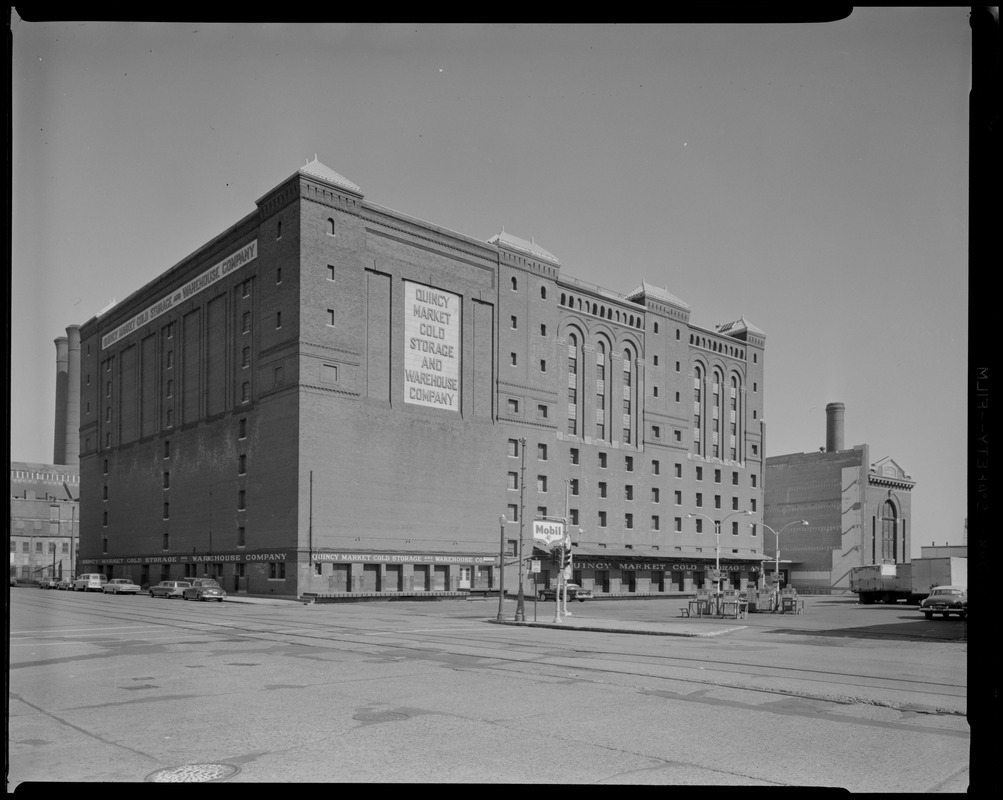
91, 582
120, 586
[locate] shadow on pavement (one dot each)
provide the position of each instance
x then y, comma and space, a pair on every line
908, 629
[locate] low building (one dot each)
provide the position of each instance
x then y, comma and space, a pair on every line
44, 524
857, 511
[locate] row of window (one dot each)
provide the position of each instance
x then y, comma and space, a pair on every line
629, 518
574, 456
39, 546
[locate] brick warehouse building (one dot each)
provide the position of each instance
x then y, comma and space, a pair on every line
332, 397
858, 512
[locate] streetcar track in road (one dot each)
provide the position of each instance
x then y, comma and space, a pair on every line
321, 636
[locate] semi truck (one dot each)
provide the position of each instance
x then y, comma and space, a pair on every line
889, 583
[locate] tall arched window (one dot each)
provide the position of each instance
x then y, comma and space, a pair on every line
572, 384
628, 395
716, 414
601, 390
889, 526
697, 409
733, 419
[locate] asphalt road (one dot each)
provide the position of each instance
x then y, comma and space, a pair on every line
132, 689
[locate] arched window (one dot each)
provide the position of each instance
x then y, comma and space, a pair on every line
572, 384
601, 412
697, 409
889, 527
330, 226
628, 396
733, 419
515, 284
543, 292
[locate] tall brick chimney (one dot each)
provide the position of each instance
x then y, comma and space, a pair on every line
73, 395
834, 427
59, 434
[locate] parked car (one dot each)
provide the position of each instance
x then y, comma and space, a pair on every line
46, 583
90, 582
946, 600
65, 583
204, 589
575, 592
169, 589
120, 586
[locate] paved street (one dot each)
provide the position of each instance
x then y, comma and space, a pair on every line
129, 689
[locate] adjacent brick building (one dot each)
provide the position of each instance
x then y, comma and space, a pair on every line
334, 397
858, 512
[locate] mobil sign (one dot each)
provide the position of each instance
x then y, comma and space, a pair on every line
548, 533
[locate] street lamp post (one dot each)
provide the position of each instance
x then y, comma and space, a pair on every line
776, 562
501, 566
717, 549
520, 607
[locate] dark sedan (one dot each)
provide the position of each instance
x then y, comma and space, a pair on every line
946, 600
575, 592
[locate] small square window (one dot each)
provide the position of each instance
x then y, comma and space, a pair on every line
541, 411
513, 406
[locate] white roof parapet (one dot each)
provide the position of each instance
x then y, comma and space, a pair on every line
531, 248
315, 169
657, 293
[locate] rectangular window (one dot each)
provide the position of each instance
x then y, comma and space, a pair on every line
278, 319
573, 486
513, 448
241, 463
629, 463
602, 461
655, 468
699, 500
330, 318
602, 488
513, 359
752, 506
245, 322
699, 473
543, 365
628, 521
513, 406
541, 411
513, 513
245, 392
515, 323
677, 523
167, 510
166, 544
753, 480
573, 516
734, 479
241, 500
167, 480
679, 498
241, 541
541, 483
628, 492
655, 523
278, 275
38, 547
541, 511
717, 501
717, 476
574, 455
654, 495
602, 519
699, 524
242, 428
167, 449
513, 480
330, 272
541, 452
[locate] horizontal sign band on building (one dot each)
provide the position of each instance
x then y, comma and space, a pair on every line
243, 558
666, 565
215, 273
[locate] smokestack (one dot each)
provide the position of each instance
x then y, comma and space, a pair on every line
59, 435
73, 396
834, 427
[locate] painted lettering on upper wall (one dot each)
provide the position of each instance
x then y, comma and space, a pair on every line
217, 272
431, 347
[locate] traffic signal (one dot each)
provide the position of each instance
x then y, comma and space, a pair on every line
566, 558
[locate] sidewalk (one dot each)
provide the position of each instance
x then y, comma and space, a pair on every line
684, 627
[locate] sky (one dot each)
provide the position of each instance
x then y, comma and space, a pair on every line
812, 178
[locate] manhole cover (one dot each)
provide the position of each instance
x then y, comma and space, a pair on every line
379, 716
193, 773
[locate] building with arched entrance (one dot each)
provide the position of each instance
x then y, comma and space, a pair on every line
857, 511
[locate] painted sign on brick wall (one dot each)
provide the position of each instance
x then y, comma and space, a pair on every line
431, 347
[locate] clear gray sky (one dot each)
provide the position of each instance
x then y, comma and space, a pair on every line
810, 177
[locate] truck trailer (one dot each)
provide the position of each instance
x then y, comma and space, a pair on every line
889, 583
